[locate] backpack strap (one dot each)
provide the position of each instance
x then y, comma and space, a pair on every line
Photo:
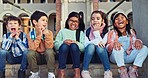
78, 35
88, 32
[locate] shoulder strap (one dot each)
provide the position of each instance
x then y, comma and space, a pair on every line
88, 32
78, 35
21, 36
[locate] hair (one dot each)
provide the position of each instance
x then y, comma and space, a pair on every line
104, 17
13, 18
36, 16
81, 24
128, 27
74, 14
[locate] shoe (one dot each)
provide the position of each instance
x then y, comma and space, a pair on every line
132, 72
21, 74
34, 75
108, 74
123, 73
85, 74
51, 75
77, 73
61, 73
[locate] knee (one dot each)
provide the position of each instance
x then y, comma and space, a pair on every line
50, 52
64, 46
74, 46
100, 50
121, 51
90, 49
3, 52
30, 53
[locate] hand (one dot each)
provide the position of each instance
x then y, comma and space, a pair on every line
45, 31
101, 44
17, 34
117, 46
68, 41
138, 44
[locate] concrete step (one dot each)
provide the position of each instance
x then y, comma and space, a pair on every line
96, 70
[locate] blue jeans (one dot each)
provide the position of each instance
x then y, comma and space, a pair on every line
101, 52
63, 53
7, 55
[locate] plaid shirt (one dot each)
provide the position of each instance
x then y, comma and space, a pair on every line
16, 46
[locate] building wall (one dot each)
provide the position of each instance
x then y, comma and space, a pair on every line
140, 19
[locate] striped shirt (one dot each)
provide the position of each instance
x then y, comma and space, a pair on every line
16, 46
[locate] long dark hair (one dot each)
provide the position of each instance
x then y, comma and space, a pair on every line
104, 17
81, 24
128, 27
73, 14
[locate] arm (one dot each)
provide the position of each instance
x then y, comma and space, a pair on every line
23, 45
49, 40
6, 42
81, 42
58, 40
34, 44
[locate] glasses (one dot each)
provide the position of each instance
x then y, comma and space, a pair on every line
73, 21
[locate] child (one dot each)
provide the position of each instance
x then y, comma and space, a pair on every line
95, 40
125, 48
14, 47
40, 42
70, 41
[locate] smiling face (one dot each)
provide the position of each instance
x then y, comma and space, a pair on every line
13, 26
120, 21
96, 19
73, 23
41, 24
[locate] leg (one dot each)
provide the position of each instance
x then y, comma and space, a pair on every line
50, 58
63, 52
102, 53
2, 62
32, 60
75, 54
89, 51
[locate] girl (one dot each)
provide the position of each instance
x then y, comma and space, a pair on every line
95, 40
70, 40
125, 48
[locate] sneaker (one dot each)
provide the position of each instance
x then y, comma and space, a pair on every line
34, 75
108, 74
85, 74
123, 73
132, 72
51, 75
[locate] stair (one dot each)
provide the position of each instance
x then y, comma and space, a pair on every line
96, 70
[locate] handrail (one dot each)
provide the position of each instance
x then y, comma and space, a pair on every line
115, 7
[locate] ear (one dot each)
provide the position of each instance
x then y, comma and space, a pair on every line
34, 22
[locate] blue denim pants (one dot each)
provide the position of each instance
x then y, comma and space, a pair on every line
101, 52
7, 56
63, 54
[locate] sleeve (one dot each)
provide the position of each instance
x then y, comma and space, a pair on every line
95, 41
58, 40
110, 41
6, 42
81, 42
23, 45
49, 40
33, 44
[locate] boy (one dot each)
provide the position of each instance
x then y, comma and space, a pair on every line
40, 42
14, 47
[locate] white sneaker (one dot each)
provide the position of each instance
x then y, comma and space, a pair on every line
51, 75
85, 74
108, 74
34, 75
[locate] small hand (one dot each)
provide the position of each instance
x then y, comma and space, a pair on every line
117, 46
138, 44
101, 44
68, 41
